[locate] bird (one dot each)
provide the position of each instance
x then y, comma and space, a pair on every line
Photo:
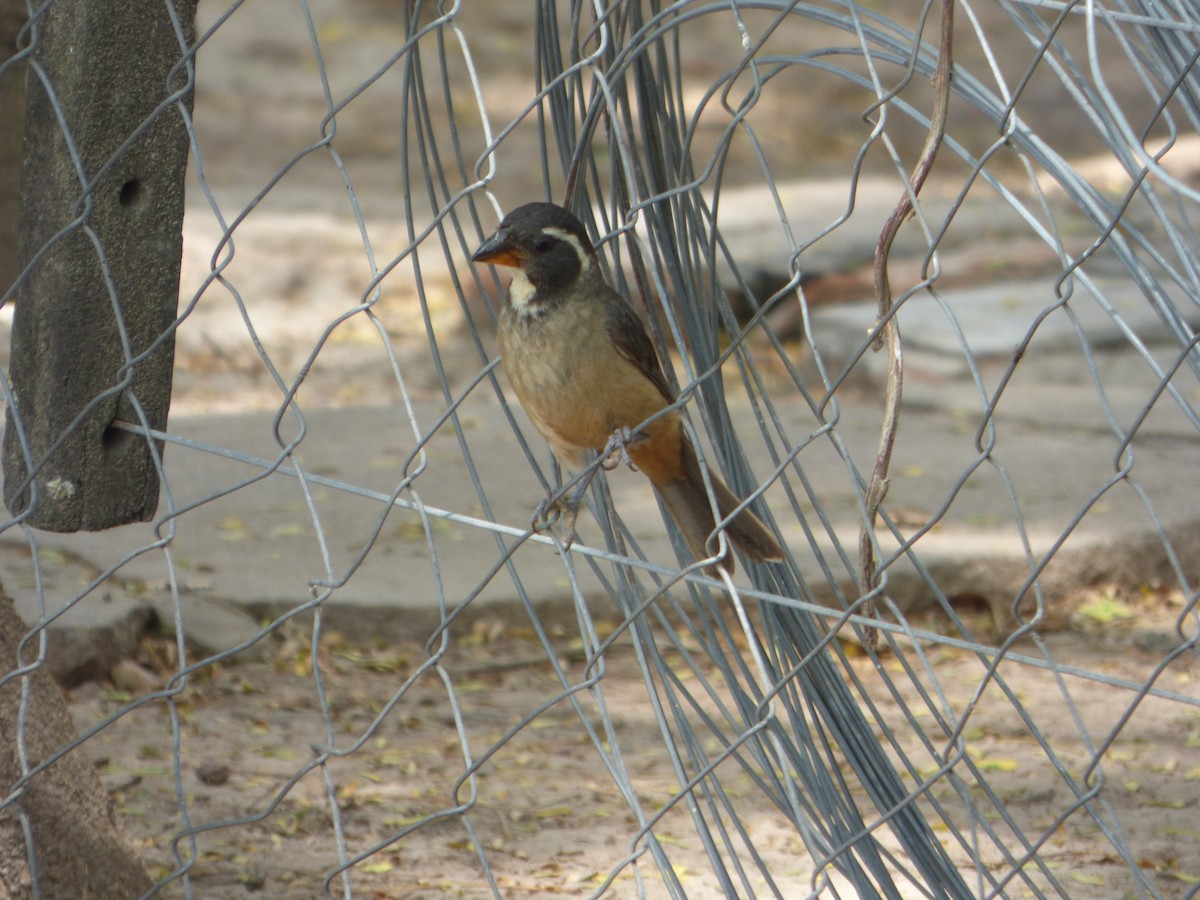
586, 373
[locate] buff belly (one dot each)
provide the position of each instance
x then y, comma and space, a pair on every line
576, 388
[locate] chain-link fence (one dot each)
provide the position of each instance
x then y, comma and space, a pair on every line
928, 283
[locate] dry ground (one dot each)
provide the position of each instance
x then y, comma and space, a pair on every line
548, 817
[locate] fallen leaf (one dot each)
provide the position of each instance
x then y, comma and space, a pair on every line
997, 764
1105, 610
233, 528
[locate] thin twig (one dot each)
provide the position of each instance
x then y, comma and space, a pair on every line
877, 487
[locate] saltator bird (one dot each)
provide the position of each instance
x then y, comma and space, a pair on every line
586, 373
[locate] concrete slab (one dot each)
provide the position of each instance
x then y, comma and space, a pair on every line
990, 321
985, 510
87, 635
982, 503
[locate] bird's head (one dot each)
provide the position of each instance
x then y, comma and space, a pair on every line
547, 246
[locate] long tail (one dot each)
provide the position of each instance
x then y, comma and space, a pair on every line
687, 502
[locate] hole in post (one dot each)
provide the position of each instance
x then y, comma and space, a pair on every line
115, 438
131, 193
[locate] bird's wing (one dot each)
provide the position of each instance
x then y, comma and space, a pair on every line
628, 335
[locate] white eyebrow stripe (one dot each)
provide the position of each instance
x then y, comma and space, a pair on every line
564, 235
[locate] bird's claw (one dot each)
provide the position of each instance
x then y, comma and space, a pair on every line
616, 449
558, 506
550, 511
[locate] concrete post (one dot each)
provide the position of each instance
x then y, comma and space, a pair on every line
12, 127
101, 227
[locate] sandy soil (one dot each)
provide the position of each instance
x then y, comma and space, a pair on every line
549, 819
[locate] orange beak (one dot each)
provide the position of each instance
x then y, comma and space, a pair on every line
499, 251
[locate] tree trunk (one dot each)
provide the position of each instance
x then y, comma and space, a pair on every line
77, 848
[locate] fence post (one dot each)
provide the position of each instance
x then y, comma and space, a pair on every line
100, 245
12, 127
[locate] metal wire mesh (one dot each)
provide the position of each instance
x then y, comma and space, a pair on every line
729, 207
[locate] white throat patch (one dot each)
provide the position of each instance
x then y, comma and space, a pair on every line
520, 292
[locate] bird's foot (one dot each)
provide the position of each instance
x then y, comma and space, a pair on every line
616, 450
554, 508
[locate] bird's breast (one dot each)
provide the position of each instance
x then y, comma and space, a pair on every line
574, 386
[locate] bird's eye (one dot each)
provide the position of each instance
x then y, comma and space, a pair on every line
542, 243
